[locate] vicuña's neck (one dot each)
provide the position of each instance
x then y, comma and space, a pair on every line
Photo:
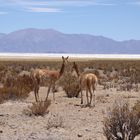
62, 69
77, 70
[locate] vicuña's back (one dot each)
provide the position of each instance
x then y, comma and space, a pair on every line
88, 80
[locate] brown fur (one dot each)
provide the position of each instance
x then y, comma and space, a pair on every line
52, 75
36, 76
88, 81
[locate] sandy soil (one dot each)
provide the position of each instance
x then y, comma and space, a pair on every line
76, 122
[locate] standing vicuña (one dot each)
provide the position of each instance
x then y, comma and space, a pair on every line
87, 81
51, 75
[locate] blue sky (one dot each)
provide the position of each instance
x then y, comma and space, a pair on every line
116, 19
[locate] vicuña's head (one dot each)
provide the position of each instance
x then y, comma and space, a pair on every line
74, 69
65, 60
74, 65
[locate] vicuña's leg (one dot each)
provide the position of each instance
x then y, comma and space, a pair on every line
93, 89
90, 96
81, 97
49, 88
54, 96
36, 89
87, 96
35, 96
53, 90
94, 99
37, 92
54, 87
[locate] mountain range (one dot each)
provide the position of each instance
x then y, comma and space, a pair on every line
51, 41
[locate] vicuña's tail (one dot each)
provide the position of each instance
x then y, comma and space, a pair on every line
92, 83
89, 83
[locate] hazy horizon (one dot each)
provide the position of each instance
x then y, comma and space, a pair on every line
118, 20
72, 55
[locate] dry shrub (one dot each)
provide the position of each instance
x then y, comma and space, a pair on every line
10, 93
55, 121
24, 85
17, 88
70, 84
122, 123
38, 108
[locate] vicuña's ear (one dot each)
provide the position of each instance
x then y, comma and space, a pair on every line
63, 57
74, 63
67, 57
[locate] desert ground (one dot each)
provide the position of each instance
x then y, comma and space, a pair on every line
67, 119
77, 122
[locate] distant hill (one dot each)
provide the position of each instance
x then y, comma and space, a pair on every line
52, 41
2, 35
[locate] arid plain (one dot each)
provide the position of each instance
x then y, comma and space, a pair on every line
66, 118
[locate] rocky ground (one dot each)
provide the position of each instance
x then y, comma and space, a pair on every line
66, 120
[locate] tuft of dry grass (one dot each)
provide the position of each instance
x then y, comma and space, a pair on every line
121, 123
55, 121
38, 108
